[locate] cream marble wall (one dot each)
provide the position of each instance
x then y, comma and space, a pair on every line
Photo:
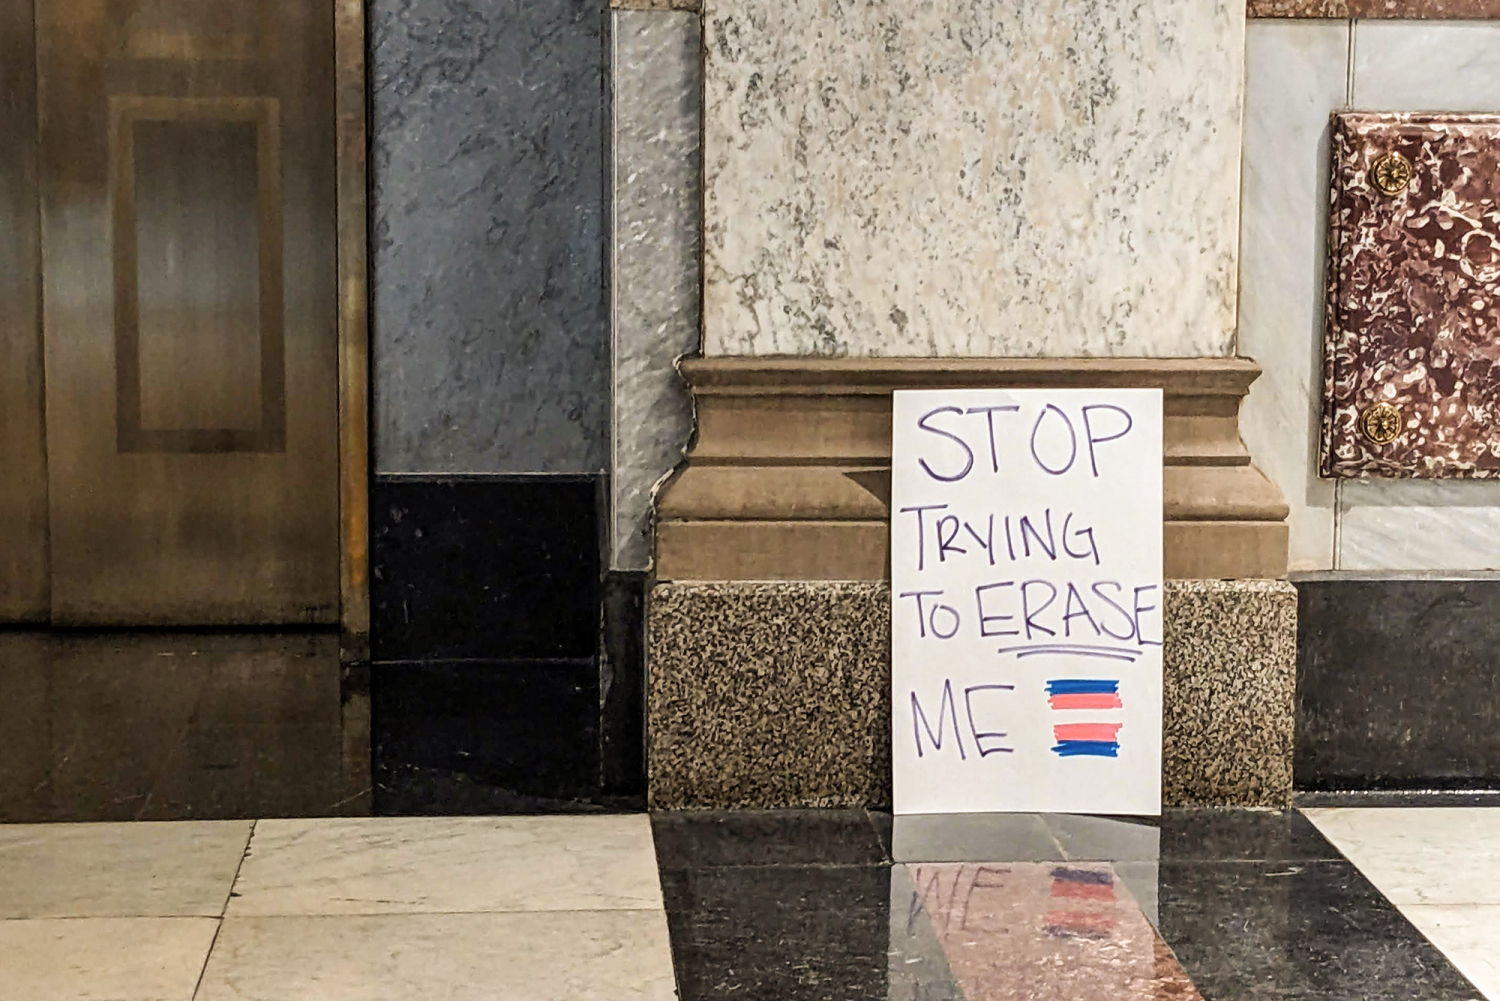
1297, 72
971, 177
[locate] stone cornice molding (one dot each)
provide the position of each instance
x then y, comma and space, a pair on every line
789, 475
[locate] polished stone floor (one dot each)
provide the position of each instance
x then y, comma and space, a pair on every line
172, 725
831, 905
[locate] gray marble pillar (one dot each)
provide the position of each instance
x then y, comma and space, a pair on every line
491, 334
656, 259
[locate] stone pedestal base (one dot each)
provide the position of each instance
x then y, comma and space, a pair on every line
777, 694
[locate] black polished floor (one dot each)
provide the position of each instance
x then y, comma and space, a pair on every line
175, 725
823, 906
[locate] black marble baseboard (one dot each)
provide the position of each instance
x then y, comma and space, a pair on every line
1398, 683
622, 685
509, 667
485, 567
485, 736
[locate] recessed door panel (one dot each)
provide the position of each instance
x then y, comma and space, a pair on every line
190, 310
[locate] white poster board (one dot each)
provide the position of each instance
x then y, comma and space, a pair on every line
1026, 591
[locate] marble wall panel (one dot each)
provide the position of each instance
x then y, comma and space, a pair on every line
657, 246
491, 335
1296, 74
1426, 66
1404, 524
1413, 296
972, 177
1419, 525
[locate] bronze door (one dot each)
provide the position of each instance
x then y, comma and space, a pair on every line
185, 176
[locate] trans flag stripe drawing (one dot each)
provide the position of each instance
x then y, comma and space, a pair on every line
1098, 740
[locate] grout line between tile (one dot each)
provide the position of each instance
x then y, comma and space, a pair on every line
21, 918
1338, 524
886, 854
202, 970
249, 840
1349, 67
223, 911
1063, 852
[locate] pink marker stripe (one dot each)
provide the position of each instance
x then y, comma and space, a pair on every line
1091, 700
1086, 731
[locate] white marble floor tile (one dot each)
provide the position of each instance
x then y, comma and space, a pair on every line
119, 870
564, 956
1421, 856
1469, 935
424, 865
103, 959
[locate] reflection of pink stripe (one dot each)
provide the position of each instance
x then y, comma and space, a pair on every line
1091, 700
1086, 731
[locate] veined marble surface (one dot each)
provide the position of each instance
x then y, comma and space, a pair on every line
414, 865
490, 334
572, 956
657, 252
104, 959
972, 177
1419, 525
1412, 855
181, 869
1403, 524
1296, 74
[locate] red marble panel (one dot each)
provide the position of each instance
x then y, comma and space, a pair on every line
1413, 9
1046, 932
1413, 310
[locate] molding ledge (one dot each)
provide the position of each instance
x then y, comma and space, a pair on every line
789, 475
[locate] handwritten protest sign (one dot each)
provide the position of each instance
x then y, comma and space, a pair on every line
1026, 589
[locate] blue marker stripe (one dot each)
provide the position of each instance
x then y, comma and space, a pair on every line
1082, 686
1089, 748
1083, 876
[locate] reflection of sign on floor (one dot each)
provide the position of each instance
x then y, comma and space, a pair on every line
1040, 931
1026, 591
1080, 891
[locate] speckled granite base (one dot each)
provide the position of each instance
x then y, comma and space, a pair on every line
776, 694
1230, 662
768, 694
